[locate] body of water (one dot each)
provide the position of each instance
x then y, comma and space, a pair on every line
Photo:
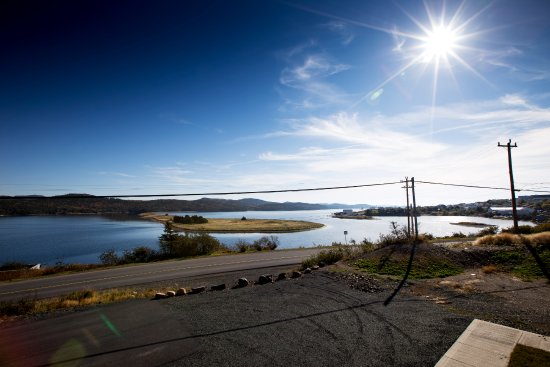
81, 239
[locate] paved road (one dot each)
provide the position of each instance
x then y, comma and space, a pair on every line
315, 320
147, 273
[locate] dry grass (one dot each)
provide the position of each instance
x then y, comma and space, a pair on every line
72, 300
227, 225
542, 239
502, 239
509, 239
488, 269
26, 273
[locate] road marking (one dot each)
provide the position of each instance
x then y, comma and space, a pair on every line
145, 273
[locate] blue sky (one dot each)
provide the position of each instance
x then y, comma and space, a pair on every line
202, 96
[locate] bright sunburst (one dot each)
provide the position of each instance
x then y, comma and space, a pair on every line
439, 43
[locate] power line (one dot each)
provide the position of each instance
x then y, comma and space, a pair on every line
479, 187
462, 185
197, 194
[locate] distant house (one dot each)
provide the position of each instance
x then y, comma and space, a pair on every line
347, 211
507, 211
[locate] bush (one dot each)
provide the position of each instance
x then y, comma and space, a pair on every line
328, 257
487, 231
458, 235
109, 257
195, 219
544, 227
521, 230
241, 246
139, 254
266, 243
398, 235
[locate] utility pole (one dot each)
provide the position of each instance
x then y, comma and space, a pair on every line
414, 211
408, 208
509, 146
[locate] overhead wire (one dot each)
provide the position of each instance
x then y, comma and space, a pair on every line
77, 196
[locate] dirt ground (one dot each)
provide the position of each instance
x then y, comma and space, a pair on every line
496, 297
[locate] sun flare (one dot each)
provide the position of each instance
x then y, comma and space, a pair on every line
439, 43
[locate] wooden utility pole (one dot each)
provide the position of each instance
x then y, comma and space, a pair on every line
509, 146
408, 208
414, 211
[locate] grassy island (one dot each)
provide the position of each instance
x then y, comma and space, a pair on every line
238, 225
471, 224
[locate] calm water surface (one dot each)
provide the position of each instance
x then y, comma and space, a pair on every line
72, 239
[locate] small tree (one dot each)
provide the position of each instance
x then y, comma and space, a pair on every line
168, 238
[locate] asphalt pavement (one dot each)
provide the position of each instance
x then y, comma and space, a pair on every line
314, 320
124, 276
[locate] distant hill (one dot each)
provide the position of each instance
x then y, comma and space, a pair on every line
88, 204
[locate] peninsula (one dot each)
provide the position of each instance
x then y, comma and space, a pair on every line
237, 225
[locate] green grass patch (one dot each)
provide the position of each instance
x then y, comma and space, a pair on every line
524, 356
521, 263
421, 269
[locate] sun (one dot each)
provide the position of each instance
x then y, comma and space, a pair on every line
440, 42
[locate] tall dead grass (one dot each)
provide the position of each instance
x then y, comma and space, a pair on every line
509, 239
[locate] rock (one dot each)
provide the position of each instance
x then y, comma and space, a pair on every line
181, 292
219, 287
322, 264
160, 295
307, 270
266, 278
241, 283
315, 267
296, 274
196, 290
281, 276
170, 294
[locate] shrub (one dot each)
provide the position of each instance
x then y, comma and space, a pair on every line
544, 227
458, 235
195, 219
139, 254
266, 243
487, 231
367, 246
328, 257
520, 230
398, 235
241, 246
109, 257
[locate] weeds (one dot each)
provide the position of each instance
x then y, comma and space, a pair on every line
81, 298
261, 244
422, 269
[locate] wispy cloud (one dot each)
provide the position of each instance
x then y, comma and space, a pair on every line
378, 147
310, 76
115, 174
342, 29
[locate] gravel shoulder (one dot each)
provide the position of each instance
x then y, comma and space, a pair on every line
318, 319
496, 297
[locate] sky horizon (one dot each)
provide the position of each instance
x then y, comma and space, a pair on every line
213, 96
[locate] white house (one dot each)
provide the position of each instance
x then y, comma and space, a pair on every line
507, 211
